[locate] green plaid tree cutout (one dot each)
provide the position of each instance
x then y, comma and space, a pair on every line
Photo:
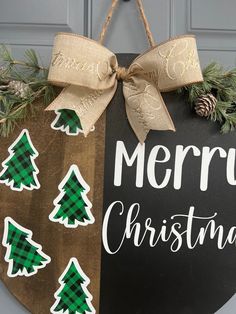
19, 169
72, 207
73, 297
67, 121
23, 255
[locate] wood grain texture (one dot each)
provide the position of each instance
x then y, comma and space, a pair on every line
57, 152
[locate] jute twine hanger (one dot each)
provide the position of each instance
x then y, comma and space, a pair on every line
142, 16
122, 73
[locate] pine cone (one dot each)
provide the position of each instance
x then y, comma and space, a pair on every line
19, 88
205, 105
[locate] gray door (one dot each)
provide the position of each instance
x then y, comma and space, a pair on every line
31, 23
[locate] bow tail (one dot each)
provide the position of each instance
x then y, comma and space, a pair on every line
145, 108
89, 104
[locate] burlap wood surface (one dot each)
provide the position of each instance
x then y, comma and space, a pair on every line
57, 151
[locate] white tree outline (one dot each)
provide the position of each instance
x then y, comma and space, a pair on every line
75, 169
83, 285
10, 183
23, 272
62, 127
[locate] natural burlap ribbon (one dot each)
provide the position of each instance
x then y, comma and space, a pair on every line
90, 73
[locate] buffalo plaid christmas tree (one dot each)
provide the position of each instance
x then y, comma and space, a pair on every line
67, 121
72, 207
24, 255
19, 169
73, 297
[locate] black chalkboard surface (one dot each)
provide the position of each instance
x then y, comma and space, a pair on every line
183, 261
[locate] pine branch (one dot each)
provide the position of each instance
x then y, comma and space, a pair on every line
222, 84
22, 82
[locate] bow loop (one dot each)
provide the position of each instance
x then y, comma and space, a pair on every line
90, 73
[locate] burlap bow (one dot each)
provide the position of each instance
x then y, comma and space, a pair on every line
89, 72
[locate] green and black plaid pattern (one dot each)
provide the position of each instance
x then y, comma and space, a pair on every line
67, 119
23, 254
72, 205
72, 297
19, 168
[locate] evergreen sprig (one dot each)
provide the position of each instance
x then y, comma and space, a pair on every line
21, 83
222, 84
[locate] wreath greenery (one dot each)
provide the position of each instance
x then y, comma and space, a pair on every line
24, 81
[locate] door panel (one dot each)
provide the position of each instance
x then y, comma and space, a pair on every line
214, 25
31, 23
207, 15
